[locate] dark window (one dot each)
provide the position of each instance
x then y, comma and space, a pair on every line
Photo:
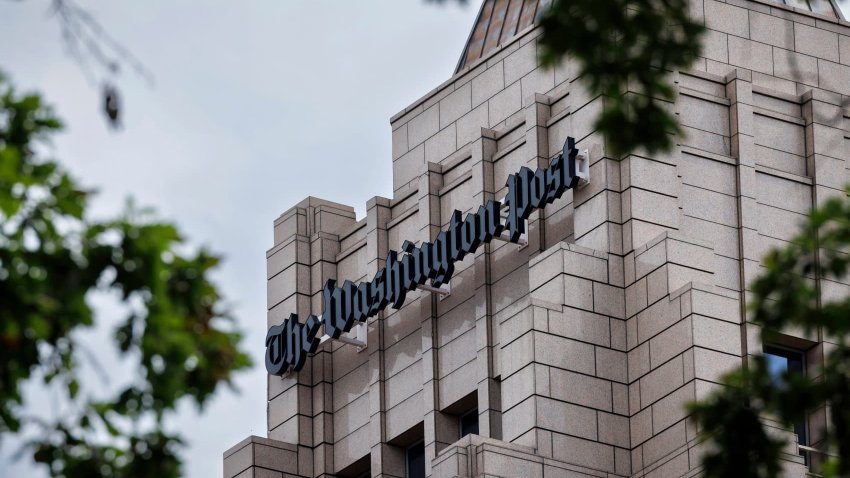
469, 423
415, 458
779, 362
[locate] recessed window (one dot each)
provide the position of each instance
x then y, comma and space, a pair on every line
414, 458
468, 423
782, 361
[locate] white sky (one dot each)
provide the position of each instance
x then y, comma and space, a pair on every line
256, 105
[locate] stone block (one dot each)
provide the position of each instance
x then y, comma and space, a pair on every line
469, 126
663, 443
496, 462
654, 319
608, 300
399, 140
727, 18
672, 407
350, 386
650, 207
834, 77
578, 292
638, 361
520, 62
517, 354
521, 385
456, 353
613, 429
408, 166
441, 145
620, 400
772, 82
651, 258
591, 214
457, 385
403, 416
581, 325
651, 175
717, 335
827, 141
585, 265
688, 253
423, 126
544, 268
641, 427
351, 417
564, 353
786, 194
751, 55
711, 365
673, 341
566, 418
778, 223
581, 452
636, 297
715, 46
540, 80
709, 205
661, 381
505, 103
255, 452
656, 287
795, 66
816, 42
611, 364
487, 84
771, 30
455, 105
707, 174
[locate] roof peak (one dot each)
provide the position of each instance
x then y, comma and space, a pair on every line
497, 22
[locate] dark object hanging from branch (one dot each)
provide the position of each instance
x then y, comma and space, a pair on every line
112, 105
98, 55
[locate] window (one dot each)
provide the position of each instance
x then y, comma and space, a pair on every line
468, 423
824, 7
779, 361
414, 458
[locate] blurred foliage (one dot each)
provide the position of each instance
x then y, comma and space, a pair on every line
787, 297
52, 258
100, 57
625, 50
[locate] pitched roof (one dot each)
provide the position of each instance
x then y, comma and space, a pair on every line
497, 22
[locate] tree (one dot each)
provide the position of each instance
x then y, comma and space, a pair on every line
52, 257
100, 57
626, 50
787, 296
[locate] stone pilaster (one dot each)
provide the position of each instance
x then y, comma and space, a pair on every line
429, 208
489, 390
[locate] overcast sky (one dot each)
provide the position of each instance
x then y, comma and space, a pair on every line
255, 105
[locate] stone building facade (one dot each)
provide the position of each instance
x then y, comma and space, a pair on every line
574, 354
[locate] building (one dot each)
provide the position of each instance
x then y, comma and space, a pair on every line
572, 352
